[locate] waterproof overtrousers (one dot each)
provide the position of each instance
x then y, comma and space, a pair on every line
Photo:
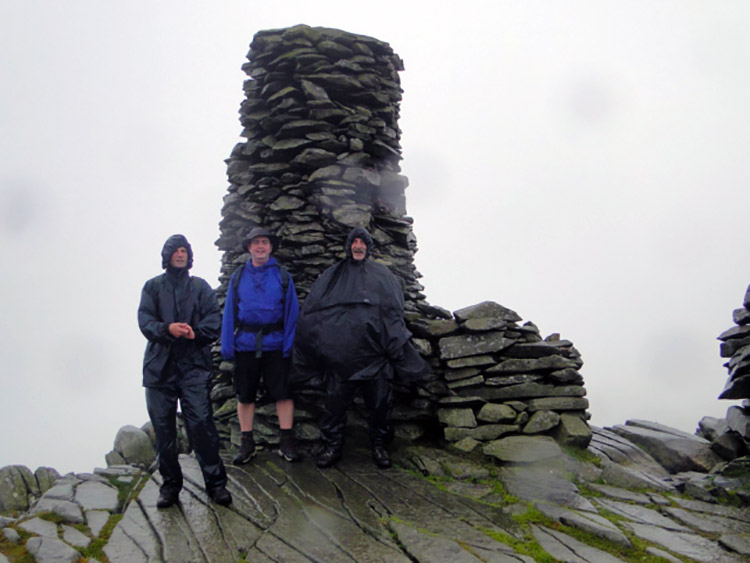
378, 397
197, 414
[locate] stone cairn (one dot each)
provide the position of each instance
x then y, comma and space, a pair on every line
730, 436
321, 156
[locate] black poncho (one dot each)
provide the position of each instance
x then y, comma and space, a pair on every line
352, 324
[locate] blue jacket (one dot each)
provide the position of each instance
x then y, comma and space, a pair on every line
261, 302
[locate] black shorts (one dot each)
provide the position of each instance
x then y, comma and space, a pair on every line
248, 370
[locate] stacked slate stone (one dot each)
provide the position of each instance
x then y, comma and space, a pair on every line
321, 156
504, 378
730, 437
735, 345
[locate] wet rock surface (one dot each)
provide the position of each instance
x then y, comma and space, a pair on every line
437, 502
297, 512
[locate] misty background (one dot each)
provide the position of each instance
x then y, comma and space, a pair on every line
581, 162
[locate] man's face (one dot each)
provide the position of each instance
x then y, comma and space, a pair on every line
359, 249
179, 258
260, 250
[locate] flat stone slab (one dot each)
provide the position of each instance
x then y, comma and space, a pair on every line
609, 446
453, 347
40, 527
709, 523
640, 514
541, 483
75, 537
523, 449
739, 543
423, 547
618, 475
676, 451
61, 491
92, 495
687, 544
565, 548
621, 494
68, 510
96, 520
51, 550
117, 470
663, 554
586, 521
741, 514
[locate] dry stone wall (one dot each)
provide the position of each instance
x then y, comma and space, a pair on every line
321, 155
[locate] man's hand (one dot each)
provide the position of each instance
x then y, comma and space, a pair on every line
181, 330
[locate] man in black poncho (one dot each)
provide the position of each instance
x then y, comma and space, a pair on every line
180, 317
352, 331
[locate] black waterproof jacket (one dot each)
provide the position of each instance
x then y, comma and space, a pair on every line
175, 296
352, 323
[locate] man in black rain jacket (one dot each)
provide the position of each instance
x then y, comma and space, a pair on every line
352, 331
180, 317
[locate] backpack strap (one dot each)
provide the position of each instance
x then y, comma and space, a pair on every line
284, 280
234, 281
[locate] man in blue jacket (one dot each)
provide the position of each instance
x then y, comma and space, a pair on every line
260, 319
180, 317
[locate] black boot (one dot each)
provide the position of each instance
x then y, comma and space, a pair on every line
247, 449
380, 456
167, 498
287, 448
328, 458
221, 496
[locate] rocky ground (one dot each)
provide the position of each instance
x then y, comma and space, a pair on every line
613, 502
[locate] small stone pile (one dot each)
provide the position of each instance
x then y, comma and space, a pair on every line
321, 156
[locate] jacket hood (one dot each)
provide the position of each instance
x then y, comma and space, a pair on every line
173, 243
358, 232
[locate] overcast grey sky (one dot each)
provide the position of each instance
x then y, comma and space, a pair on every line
581, 162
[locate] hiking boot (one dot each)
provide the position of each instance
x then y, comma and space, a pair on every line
380, 457
221, 496
247, 451
329, 457
287, 449
167, 498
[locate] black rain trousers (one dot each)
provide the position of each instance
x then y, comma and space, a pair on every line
378, 396
197, 414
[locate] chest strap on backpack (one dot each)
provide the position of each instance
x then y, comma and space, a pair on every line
259, 331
